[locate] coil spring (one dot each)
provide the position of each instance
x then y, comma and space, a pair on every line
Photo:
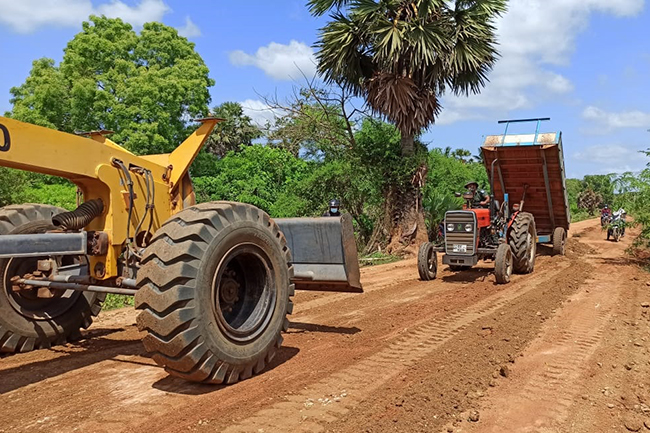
80, 217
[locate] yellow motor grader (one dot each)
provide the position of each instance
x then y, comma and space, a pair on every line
213, 281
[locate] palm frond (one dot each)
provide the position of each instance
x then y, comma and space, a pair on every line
403, 55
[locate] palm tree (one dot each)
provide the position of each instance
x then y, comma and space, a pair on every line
235, 131
401, 56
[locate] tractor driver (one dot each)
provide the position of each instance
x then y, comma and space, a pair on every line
481, 199
334, 208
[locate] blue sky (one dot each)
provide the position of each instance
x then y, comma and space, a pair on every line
584, 63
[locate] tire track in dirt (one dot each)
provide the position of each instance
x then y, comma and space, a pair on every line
332, 396
546, 382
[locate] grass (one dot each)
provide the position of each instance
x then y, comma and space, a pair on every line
117, 301
378, 258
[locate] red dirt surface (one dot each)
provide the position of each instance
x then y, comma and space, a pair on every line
564, 349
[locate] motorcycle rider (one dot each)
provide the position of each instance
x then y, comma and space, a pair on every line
481, 199
605, 215
334, 208
620, 214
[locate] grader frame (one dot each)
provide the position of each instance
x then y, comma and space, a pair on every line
138, 231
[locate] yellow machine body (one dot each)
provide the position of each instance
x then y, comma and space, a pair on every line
89, 162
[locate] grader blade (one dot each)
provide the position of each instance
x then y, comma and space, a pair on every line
324, 253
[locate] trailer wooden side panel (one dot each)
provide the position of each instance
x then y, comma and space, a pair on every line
537, 163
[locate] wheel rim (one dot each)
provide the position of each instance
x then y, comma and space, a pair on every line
28, 304
243, 292
431, 264
531, 247
508, 263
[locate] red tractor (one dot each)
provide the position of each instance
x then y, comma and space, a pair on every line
474, 233
521, 166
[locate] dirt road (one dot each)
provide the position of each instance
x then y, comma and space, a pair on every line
564, 349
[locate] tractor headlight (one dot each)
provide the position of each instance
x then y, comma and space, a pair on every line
468, 227
450, 227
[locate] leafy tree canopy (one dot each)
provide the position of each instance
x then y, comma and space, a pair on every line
145, 87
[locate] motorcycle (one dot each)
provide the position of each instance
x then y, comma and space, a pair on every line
615, 229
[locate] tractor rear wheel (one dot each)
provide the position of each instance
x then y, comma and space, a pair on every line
523, 242
215, 289
503, 264
427, 262
28, 322
559, 241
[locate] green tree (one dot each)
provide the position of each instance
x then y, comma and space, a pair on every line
236, 130
401, 56
257, 174
589, 200
144, 87
448, 175
602, 184
13, 184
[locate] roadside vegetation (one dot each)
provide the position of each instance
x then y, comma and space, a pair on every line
335, 139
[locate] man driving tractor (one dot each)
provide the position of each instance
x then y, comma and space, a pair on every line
481, 198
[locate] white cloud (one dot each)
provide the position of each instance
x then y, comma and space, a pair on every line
611, 158
607, 121
535, 36
280, 62
26, 16
259, 112
189, 30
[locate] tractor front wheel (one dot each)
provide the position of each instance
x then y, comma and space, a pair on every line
215, 288
522, 238
503, 264
427, 262
28, 321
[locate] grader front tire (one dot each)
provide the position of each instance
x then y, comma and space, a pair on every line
28, 322
215, 288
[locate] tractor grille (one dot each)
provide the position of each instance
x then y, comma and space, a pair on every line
459, 236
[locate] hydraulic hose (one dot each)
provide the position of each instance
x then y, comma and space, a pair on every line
80, 217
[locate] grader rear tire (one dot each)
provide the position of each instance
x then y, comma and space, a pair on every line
523, 243
215, 289
503, 264
27, 322
427, 262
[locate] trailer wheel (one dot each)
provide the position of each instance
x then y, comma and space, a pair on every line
523, 242
26, 321
559, 240
503, 264
215, 288
427, 262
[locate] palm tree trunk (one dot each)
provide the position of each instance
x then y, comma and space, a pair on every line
404, 208
408, 144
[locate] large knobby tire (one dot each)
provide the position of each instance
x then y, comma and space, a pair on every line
523, 243
215, 289
503, 264
26, 322
427, 262
559, 241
